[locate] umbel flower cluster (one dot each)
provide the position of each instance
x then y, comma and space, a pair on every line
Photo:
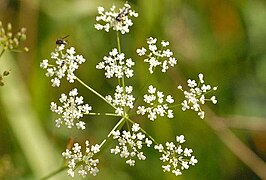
75, 157
10, 42
157, 56
130, 144
195, 96
158, 105
128, 137
64, 63
71, 110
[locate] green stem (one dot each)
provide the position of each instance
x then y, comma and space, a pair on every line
174, 105
2, 52
118, 42
103, 114
54, 173
123, 77
121, 122
119, 51
95, 92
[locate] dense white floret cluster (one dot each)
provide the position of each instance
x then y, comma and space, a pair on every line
196, 95
84, 163
63, 63
157, 56
116, 20
71, 110
158, 104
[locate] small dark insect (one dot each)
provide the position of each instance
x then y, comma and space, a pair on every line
6, 73
122, 14
61, 40
63, 63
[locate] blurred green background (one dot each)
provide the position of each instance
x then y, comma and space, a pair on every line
224, 40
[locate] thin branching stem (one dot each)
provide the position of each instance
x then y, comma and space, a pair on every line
95, 92
118, 42
142, 130
103, 114
123, 77
119, 124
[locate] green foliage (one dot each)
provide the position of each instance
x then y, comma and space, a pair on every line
225, 40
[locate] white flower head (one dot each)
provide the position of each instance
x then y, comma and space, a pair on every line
71, 110
118, 20
157, 104
122, 99
116, 65
157, 56
63, 63
196, 95
130, 144
84, 164
174, 157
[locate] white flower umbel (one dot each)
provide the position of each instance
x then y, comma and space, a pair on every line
161, 56
83, 163
175, 158
116, 65
130, 144
195, 96
71, 111
116, 20
63, 63
158, 104
122, 99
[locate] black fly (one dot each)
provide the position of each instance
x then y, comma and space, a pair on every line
61, 41
122, 14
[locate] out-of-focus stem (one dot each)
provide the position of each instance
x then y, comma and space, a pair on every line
2, 52
237, 147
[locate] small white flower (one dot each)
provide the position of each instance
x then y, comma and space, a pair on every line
191, 83
159, 147
187, 152
116, 65
213, 99
151, 40
193, 160
201, 78
157, 56
165, 43
201, 114
180, 139
135, 127
131, 162
130, 144
157, 104
44, 64
166, 168
122, 99
174, 158
169, 99
141, 52
83, 163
